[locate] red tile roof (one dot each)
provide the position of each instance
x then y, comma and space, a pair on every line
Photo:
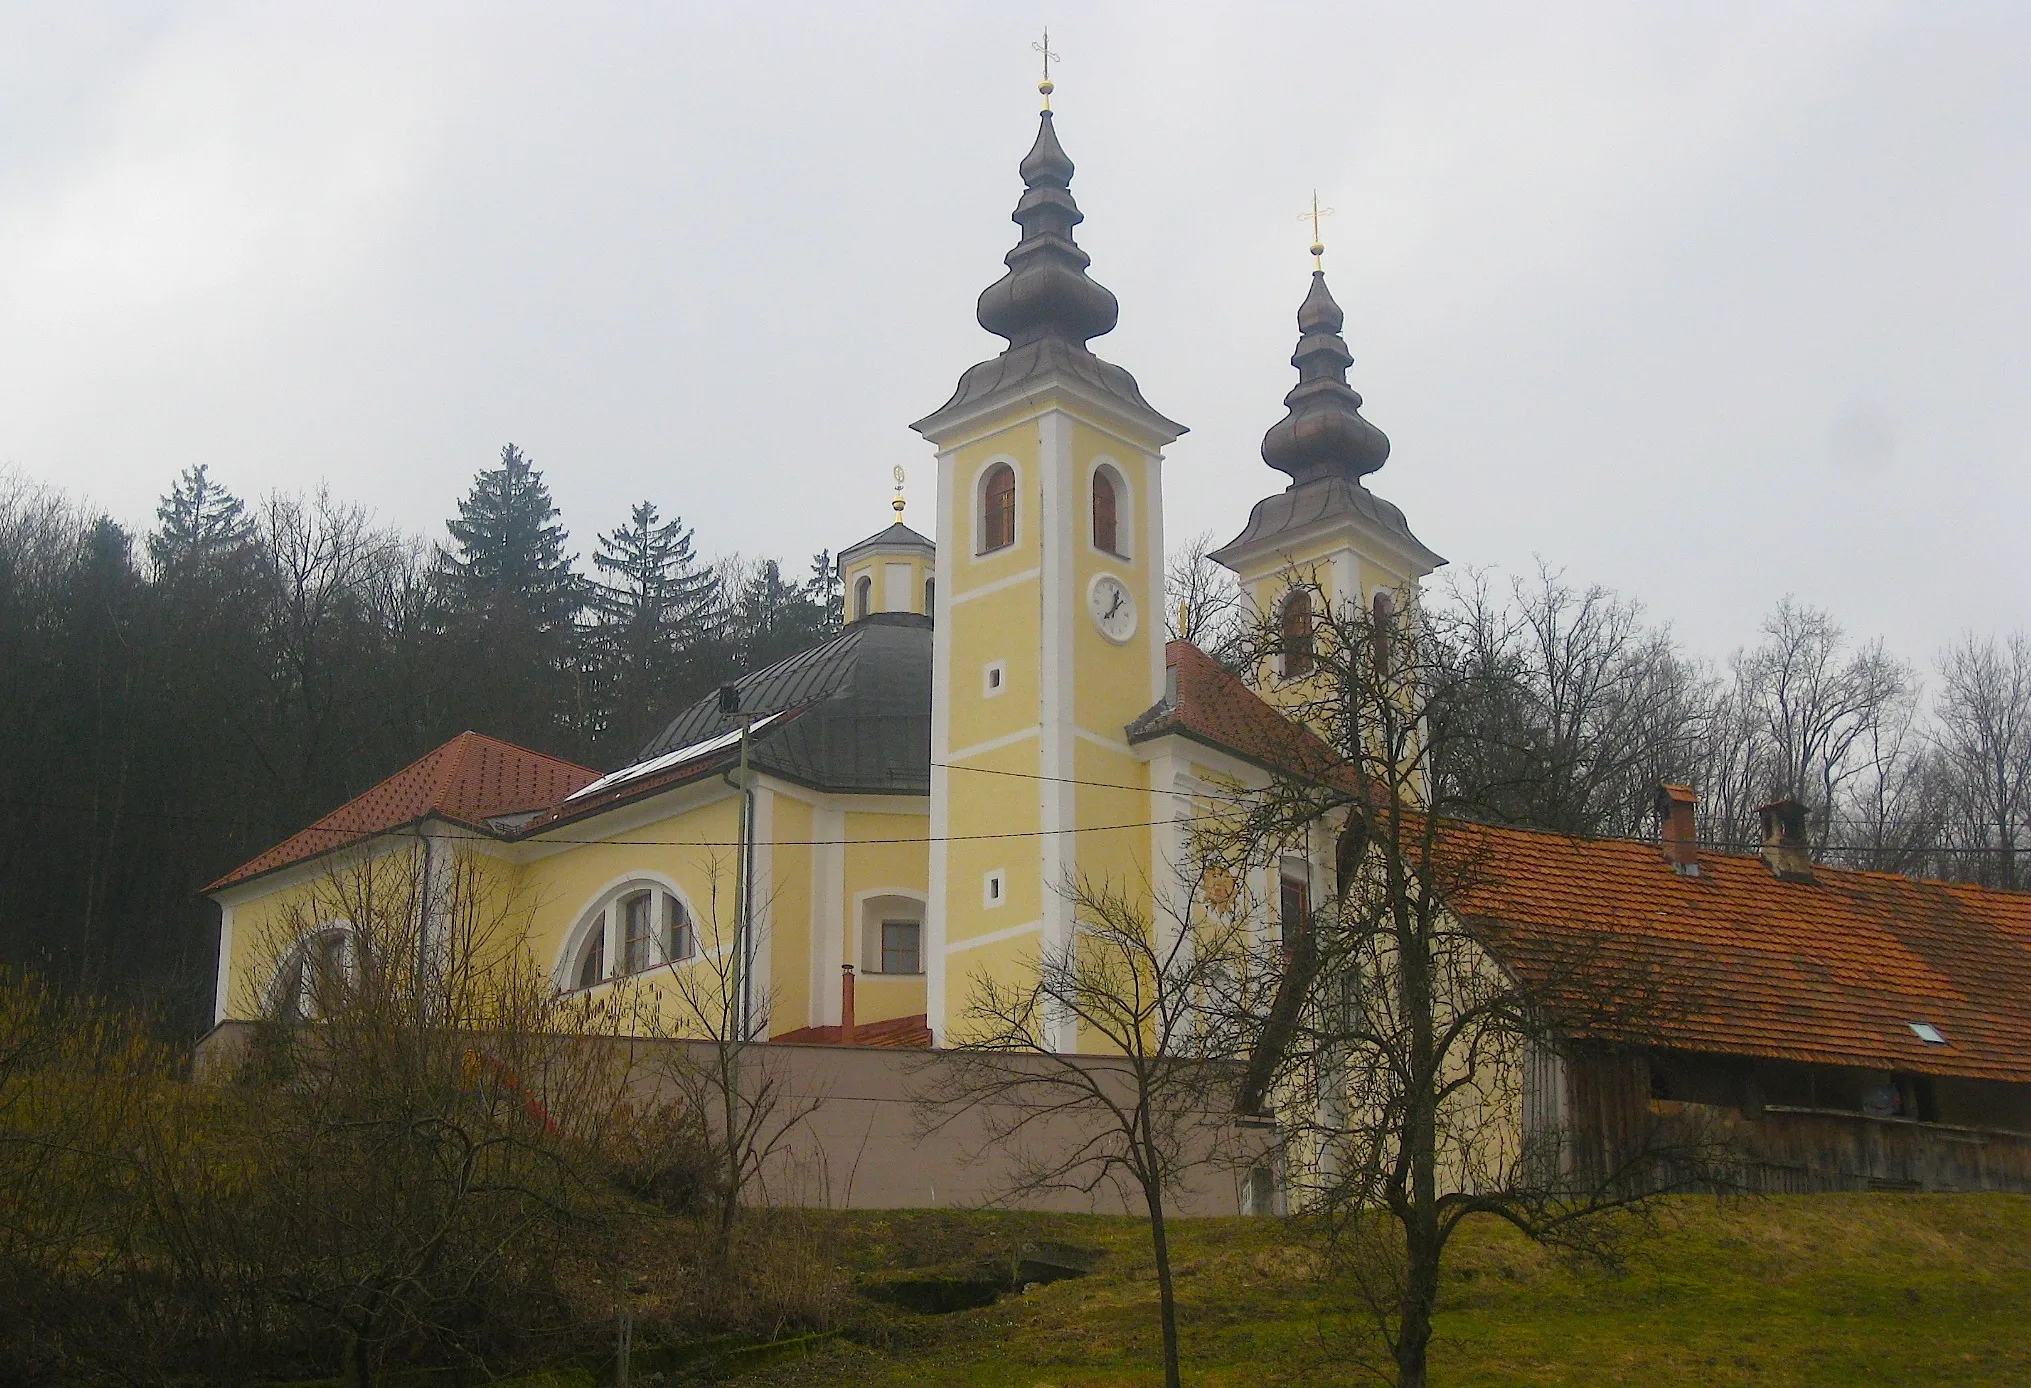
1830, 971
902, 1033
1213, 706
468, 780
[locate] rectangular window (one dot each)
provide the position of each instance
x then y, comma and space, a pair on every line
1294, 902
900, 952
683, 936
638, 931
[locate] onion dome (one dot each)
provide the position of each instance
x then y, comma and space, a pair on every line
1046, 293
1323, 435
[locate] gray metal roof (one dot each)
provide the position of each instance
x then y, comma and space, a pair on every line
866, 724
1304, 505
1047, 306
897, 536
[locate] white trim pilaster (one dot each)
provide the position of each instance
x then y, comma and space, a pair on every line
942, 676
828, 912
1058, 849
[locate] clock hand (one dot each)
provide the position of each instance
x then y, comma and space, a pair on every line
1118, 596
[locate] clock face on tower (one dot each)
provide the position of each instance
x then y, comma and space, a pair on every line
1113, 608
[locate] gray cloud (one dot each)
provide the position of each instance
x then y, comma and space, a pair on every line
1623, 281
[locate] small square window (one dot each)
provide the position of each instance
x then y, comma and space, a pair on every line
994, 889
1928, 1033
994, 678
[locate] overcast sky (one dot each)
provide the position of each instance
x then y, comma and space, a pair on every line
1709, 303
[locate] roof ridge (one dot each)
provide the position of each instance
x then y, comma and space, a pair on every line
453, 770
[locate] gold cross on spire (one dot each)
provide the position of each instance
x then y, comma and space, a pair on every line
1044, 47
1314, 216
898, 502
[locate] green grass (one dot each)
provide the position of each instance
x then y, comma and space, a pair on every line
1817, 1290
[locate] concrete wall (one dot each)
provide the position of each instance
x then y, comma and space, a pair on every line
871, 1143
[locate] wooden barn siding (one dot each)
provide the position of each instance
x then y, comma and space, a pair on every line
1785, 1150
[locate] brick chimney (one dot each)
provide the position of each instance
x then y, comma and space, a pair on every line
1786, 851
1677, 830
846, 1004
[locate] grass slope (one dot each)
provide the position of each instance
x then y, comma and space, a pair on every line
1815, 1290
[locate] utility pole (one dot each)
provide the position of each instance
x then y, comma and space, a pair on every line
743, 899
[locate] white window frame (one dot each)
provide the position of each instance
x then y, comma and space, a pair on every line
603, 914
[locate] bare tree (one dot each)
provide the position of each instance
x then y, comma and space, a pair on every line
1984, 739
1141, 985
420, 1110
727, 1075
1205, 604
1404, 1088
1579, 709
1813, 705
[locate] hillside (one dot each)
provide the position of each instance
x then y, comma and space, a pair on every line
1823, 1290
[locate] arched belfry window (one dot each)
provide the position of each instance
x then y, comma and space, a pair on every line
1294, 631
1105, 515
997, 508
930, 596
863, 596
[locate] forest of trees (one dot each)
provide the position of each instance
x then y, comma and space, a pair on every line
178, 700
175, 701
1569, 708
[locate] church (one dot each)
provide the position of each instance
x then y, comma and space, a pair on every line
995, 718
891, 814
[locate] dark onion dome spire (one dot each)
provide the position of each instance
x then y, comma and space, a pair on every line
1046, 307
1323, 435
1046, 293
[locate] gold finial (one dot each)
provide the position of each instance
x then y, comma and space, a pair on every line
1314, 216
898, 502
1044, 47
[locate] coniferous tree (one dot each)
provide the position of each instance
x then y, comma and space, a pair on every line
825, 589
511, 546
510, 606
198, 522
775, 617
653, 609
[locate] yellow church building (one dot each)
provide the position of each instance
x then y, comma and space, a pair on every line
1001, 714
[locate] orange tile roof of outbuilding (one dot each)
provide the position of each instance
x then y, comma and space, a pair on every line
468, 780
1830, 971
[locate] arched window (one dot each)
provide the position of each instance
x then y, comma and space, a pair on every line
1294, 629
681, 937
1104, 512
998, 508
592, 967
1384, 609
313, 980
863, 596
930, 596
649, 926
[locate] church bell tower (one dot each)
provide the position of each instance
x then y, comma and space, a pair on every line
1049, 634
1326, 537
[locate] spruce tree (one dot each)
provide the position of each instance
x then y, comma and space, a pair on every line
776, 617
825, 589
199, 522
653, 609
511, 546
509, 607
